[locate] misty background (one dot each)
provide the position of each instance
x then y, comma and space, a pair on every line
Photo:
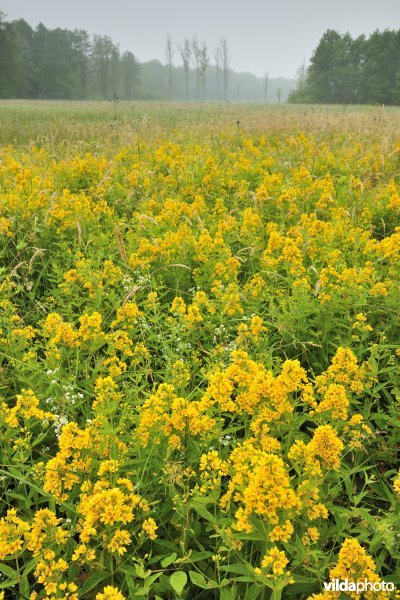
91, 49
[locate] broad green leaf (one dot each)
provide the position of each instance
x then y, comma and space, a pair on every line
198, 579
178, 581
168, 560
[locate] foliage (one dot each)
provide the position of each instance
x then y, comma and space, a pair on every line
344, 70
64, 64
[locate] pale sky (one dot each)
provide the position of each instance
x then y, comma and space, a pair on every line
263, 36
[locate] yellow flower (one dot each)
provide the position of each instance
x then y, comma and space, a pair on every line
110, 593
276, 560
354, 564
26, 408
311, 536
119, 541
90, 327
335, 400
12, 533
327, 446
396, 485
149, 526
178, 306
282, 532
59, 332
106, 506
45, 531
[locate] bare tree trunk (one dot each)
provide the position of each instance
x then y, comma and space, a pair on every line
265, 88
185, 52
225, 59
217, 57
196, 56
169, 57
204, 62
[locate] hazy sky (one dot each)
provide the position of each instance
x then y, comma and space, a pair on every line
263, 35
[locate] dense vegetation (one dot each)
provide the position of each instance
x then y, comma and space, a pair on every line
63, 64
199, 348
343, 70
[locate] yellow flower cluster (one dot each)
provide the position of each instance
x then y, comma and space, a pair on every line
276, 561
344, 370
354, 565
12, 533
45, 531
260, 485
107, 505
74, 459
245, 386
166, 415
110, 593
26, 408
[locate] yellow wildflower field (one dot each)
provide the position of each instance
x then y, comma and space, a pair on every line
199, 347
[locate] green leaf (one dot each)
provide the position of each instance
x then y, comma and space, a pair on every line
253, 592
93, 581
238, 569
130, 583
198, 579
24, 587
178, 581
302, 585
168, 560
205, 514
140, 572
9, 583
196, 556
8, 571
13, 577
227, 594
142, 592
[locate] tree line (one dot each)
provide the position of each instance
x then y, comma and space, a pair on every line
343, 70
63, 64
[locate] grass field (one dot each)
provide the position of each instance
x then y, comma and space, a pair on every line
199, 349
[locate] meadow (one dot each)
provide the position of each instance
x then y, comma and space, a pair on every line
199, 350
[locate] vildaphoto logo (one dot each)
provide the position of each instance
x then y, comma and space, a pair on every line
359, 587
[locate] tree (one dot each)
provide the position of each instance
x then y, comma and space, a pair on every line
333, 70
301, 94
381, 67
130, 75
225, 62
185, 52
103, 55
82, 49
115, 70
321, 71
357, 60
266, 87
169, 58
196, 58
10, 60
54, 69
217, 58
204, 62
